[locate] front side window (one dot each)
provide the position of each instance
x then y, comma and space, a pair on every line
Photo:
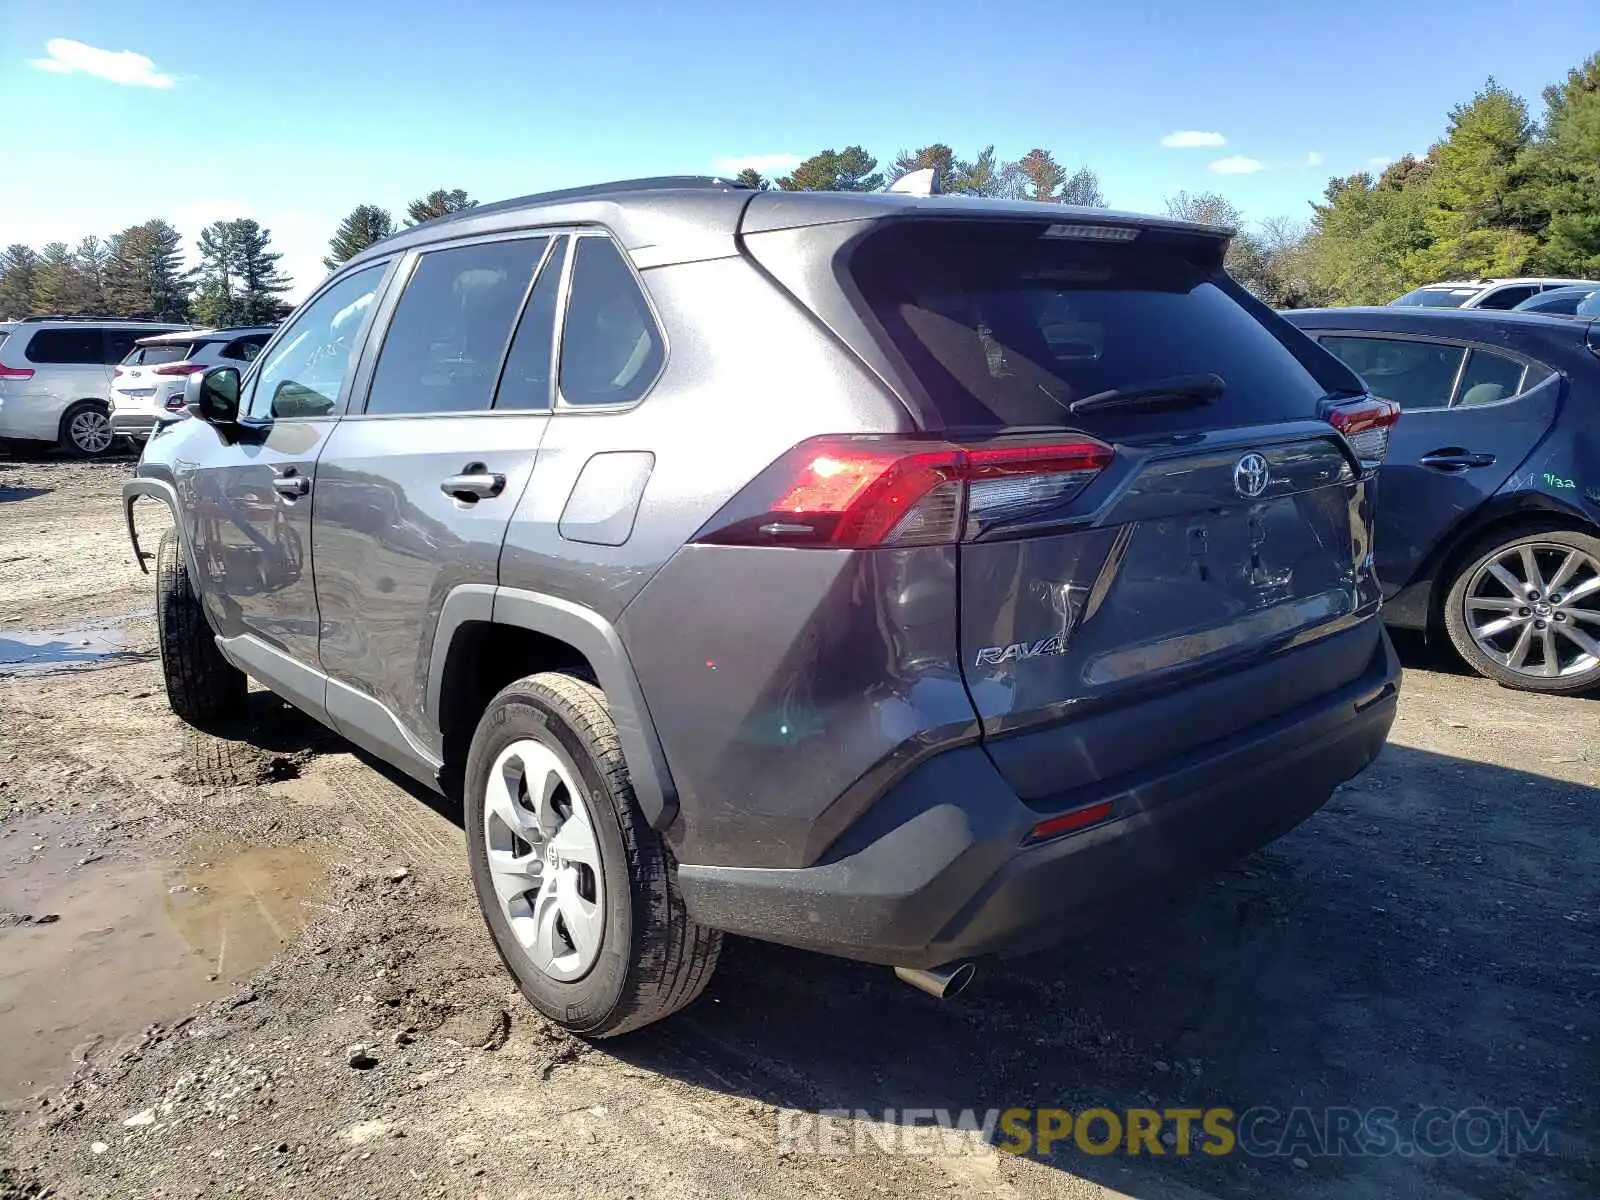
303, 374
443, 349
611, 350
1412, 374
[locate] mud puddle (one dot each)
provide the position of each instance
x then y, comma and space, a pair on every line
91, 951
28, 652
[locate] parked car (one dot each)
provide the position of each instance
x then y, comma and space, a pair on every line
1489, 500
55, 379
906, 578
147, 386
1558, 302
1481, 293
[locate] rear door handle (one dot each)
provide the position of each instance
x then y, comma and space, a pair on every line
291, 484
1453, 461
475, 483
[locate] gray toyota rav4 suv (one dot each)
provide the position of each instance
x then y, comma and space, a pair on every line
909, 578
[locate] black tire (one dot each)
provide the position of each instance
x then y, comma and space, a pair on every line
1454, 614
71, 435
203, 688
653, 960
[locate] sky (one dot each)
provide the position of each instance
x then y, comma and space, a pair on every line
118, 112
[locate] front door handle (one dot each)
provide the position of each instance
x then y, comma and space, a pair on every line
1453, 461
476, 483
291, 484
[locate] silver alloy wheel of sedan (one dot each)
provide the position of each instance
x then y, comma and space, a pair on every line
90, 431
1535, 610
544, 859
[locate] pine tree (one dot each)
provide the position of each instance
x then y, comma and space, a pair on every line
144, 274
19, 267
92, 255
214, 299
437, 203
1082, 188
240, 283
1044, 175
849, 170
937, 155
366, 224
58, 284
752, 178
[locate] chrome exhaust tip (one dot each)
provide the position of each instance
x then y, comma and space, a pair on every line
942, 983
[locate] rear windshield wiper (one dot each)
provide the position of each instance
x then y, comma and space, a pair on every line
1178, 391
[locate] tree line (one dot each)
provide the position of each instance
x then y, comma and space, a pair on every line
1501, 193
140, 272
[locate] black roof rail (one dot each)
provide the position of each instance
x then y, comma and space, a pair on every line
655, 183
96, 317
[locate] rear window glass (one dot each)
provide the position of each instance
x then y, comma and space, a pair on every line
1006, 328
154, 356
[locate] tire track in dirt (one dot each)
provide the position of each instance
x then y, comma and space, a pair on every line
396, 817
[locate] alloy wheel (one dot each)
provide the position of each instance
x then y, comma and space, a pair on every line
90, 431
1534, 608
544, 859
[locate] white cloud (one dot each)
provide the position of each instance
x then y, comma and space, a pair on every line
1379, 161
67, 57
1237, 164
1315, 159
1191, 139
767, 164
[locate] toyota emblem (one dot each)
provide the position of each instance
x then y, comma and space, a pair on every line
1251, 476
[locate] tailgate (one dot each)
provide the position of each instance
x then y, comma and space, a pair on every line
1227, 523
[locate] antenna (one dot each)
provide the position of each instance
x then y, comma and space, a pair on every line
925, 182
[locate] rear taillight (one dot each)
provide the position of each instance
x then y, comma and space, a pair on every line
175, 402
846, 492
15, 372
116, 372
179, 369
1365, 424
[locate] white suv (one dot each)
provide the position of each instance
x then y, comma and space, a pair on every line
55, 379
1482, 293
147, 386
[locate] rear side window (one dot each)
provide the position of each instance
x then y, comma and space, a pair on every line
1006, 327
1510, 297
62, 346
1488, 379
1412, 374
444, 345
525, 382
244, 349
611, 350
166, 352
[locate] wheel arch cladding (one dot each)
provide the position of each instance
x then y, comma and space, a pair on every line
569, 637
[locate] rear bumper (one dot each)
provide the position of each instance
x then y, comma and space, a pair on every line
135, 424
939, 868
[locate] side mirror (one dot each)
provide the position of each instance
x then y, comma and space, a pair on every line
214, 396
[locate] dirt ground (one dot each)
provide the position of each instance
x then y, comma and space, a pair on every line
254, 967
